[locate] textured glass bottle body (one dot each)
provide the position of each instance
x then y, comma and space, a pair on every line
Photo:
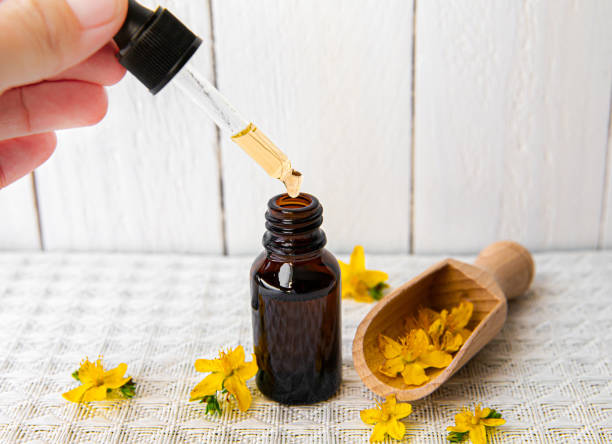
295, 301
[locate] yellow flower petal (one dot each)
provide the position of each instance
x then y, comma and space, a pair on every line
478, 434
208, 365
345, 271
396, 429
435, 330
356, 280
460, 316
479, 412
458, 429
465, 334
370, 416
248, 369
425, 317
402, 409
208, 386
392, 367
389, 348
91, 372
450, 342
372, 278
493, 422
414, 374
380, 430
418, 342
76, 394
464, 419
236, 357
241, 392
435, 358
362, 295
95, 394
114, 378
358, 259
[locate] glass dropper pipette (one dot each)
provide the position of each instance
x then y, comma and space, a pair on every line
156, 48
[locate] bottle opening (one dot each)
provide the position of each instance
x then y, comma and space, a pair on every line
287, 204
301, 201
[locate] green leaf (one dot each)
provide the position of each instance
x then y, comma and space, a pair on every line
493, 414
377, 291
212, 404
75, 375
457, 436
128, 389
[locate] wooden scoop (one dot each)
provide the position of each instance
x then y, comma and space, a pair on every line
502, 271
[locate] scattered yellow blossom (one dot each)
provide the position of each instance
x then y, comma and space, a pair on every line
410, 357
386, 417
229, 374
473, 425
98, 384
361, 284
446, 330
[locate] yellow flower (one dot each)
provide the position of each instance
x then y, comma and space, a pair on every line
446, 330
229, 372
474, 424
459, 317
96, 383
386, 417
357, 282
410, 357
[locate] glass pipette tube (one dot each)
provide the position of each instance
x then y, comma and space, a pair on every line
244, 134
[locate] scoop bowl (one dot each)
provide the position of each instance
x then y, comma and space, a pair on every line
502, 271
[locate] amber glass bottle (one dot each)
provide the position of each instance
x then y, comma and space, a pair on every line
295, 300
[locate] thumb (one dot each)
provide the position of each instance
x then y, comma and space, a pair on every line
41, 38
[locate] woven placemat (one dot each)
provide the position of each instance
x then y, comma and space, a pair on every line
548, 371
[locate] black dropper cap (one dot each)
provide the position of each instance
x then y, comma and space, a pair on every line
154, 46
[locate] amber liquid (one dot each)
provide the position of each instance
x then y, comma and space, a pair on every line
296, 327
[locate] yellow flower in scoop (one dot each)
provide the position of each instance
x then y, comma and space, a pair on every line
410, 356
474, 424
446, 330
386, 417
229, 372
459, 317
357, 282
97, 383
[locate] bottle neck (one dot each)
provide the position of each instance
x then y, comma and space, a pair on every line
293, 226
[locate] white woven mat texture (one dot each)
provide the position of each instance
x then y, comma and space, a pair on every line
548, 371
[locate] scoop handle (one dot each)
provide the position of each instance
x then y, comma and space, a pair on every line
510, 264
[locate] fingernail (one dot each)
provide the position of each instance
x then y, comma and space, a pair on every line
92, 13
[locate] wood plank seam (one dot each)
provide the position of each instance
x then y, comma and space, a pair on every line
412, 128
213, 61
603, 218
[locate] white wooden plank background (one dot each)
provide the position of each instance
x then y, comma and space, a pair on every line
146, 179
18, 222
511, 119
330, 83
512, 115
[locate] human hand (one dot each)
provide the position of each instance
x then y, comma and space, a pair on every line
55, 59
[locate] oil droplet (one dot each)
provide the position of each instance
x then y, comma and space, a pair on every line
293, 182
